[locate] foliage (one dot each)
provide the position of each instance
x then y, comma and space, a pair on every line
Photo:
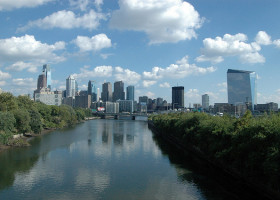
22, 115
249, 145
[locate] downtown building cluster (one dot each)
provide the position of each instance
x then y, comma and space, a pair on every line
241, 89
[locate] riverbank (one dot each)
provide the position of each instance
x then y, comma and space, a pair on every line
23, 140
213, 140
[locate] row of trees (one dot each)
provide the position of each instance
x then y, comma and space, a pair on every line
20, 115
248, 145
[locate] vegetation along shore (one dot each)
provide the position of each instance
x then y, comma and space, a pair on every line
22, 116
247, 147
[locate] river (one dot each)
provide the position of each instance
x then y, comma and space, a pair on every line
104, 159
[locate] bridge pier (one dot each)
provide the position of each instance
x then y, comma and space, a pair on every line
116, 116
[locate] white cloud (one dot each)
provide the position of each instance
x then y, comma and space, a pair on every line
164, 85
252, 58
179, 70
127, 76
105, 55
4, 75
24, 82
163, 21
148, 83
99, 71
14, 4
2, 83
94, 43
67, 20
277, 43
230, 45
263, 38
222, 86
20, 66
150, 95
27, 48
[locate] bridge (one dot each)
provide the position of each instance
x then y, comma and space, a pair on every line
131, 116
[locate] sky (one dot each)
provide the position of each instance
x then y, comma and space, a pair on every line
151, 44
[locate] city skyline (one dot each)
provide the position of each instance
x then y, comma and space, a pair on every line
193, 44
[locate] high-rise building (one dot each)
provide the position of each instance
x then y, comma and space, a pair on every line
42, 82
130, 92
205, 102
241, 86
92, 90
143, 100
70, 86
118, 93
98, 94
178, 97
47, 72
106, 94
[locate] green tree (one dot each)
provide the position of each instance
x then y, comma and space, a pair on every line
7, 102
35, 121
22, 120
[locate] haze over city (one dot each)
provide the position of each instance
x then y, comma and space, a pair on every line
151, 44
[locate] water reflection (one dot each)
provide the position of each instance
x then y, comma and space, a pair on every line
102, 159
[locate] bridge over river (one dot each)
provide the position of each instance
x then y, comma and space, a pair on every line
132, 116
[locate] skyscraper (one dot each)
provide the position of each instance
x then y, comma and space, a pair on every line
47, 72
92, 90
205, 101
42, 82
118, 93
130, 93
70, 86
178, 97
241, 86
106, 94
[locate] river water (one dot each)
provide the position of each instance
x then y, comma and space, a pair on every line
103, 159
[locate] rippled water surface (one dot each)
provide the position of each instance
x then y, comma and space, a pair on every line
101, 159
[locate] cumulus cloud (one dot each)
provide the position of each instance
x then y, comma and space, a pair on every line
148, 83
277, 43
163, 21
179, 70
4, 75
164, 85
24, 82
67, 20
14, 4
230, 45
126, 75
99, 71
27, 48
20, 66
263, 38
94, 43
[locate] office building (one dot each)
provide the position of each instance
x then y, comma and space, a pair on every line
49, 98
205, 102
92, 90
48, 74
268, 107
126, 106
70, 86
118, 93
106, 94
178, 97
130, 93
241, 87
83, 101
42, 82
143, 100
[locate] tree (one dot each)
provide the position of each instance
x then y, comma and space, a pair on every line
35, 121
22, 120
7, 102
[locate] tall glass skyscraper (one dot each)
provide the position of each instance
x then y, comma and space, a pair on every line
106, 94
205, 101
178, 97
130, 92
118, 93
241, 86
48, 74
92, 90
70, 86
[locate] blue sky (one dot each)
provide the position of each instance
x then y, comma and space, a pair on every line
151, 44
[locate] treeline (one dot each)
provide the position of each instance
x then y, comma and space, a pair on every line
249, 145
21, 115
